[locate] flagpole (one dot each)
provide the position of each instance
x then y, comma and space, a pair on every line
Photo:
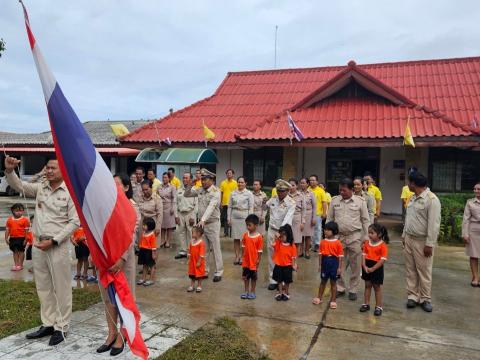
275, 59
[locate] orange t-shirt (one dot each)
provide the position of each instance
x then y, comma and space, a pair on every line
29, 238
375, 252
79, 235
18, 227
196, 250
252, 245
284, 253
148, 241
331, 247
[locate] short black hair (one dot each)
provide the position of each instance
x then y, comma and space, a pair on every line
152, 170
171, 169
242, 177
233, 172
257, 180
190, 175
140, 168
17, 206
150, 223
252, 219
418, 179
367, 173
314, 175
147, 182
198, 229
294, 180
125, 180
332, 226
346, 182
287, 230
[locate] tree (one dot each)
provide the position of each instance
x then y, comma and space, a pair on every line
2, 46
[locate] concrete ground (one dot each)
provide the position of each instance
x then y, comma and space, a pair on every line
297, 329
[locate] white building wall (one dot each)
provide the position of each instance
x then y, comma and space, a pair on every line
314, 162
229, 159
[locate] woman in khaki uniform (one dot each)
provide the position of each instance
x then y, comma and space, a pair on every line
471, 232
168, 194
298, 222
126, 263
310, 218
259, 205
240, 205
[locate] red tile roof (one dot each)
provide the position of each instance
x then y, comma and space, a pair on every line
442, 97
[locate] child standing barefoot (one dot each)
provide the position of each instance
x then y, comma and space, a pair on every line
196, 259
15, 235
330, 260
374, 255
252, 248
147, 253
284, 257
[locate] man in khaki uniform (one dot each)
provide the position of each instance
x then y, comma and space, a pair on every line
55, 219
281, 209
209, 215
137, 184
350, 212
186, 216
420, 233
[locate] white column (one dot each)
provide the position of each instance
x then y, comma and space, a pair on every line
22, 165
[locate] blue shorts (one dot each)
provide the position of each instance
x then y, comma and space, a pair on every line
329, 268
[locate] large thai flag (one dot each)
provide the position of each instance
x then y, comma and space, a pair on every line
105, 212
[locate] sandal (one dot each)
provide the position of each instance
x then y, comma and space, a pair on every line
474, 284
316, 301
333, 305
199, 289
140, 282
251, 296
190, 289
378, 311
167, 246
278, 297
244, 296
285, 297
364, 308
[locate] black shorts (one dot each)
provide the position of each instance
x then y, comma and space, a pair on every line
16, 244
375, 277
81, 251
193, 277
145, 257
28, 253
329, 268
249, 274
283, 274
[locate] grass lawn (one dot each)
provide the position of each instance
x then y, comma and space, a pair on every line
221, 340
20, 307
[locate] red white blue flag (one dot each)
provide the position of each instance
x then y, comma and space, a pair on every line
106, 214
295, 130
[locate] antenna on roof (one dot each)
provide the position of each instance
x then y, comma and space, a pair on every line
275, 62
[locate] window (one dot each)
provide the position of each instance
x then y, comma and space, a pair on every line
265, 164
453, 169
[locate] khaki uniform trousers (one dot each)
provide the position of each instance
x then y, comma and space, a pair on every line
212, 238
352, 249
271, 235
53, 280
418, 269
184, 230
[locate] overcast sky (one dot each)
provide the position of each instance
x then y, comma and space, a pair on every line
125, 59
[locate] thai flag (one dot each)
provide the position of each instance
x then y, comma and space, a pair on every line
296, 132
106, 214
167, 141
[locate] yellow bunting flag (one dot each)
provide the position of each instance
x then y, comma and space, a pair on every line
407, 137
207, 133
119, 130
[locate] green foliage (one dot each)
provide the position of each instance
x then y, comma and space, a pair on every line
452, 215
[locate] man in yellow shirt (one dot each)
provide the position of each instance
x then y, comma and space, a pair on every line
173, 179
375, 192
226, 188
152, 176
198, 179
321, 212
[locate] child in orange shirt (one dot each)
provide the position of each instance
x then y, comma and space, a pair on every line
148, 252
374, 256
79, 241
196, 259
330, 261
284, 257
15, 235
252, 248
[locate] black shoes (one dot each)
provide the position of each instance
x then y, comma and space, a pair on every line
117, 351
57, 337
273, 287
378, 311
352, 296
105, 347
340, 293
41, 332
217, 278
180, 256
411, 304
427, 306
364, 308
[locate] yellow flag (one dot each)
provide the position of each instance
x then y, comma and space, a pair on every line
407, 137
119, 130
207, 133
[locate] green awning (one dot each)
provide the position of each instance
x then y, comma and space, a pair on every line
178, 156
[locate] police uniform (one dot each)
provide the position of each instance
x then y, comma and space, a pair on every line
240, 205
56, 217
260, 209
281, 213
422, 226
137, 191
209, 213
299, 216
187, 212
353, 220
371, 205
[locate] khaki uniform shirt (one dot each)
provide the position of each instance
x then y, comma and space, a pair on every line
371, 204
55, 213
350, 214
422, 218
281, 211
300, 206
260, 205
152, 208
208, 202
137, 191
471, 217
186, 204
239, 203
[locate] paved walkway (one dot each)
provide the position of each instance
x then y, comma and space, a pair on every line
295, 329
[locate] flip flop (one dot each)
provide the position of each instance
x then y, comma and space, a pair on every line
190, 289
316, 301
199, 289
244, 296
251, 296
333, 305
